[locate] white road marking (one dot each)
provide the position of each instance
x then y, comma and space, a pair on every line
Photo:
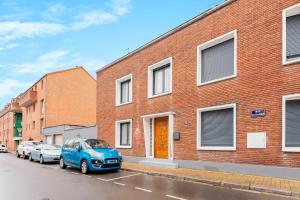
174, 197
74, 173
122, 184
112, 179
88, 176
142, 189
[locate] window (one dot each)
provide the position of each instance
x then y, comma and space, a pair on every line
160, 78
42, 106
216, 59
33, 125
216, 128
291, 123
124, 90
33, 107
124, 134
42, 84
291, 34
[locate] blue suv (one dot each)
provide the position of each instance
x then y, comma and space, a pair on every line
89, 155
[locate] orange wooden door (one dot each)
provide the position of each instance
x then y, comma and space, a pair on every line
161, 138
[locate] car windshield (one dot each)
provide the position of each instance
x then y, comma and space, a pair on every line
97, 144
50, 147
32, 143
2, 145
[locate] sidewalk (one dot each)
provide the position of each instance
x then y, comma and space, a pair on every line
232, 180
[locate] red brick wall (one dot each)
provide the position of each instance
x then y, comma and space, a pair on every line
261, 82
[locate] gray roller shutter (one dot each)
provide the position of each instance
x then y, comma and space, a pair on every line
217, 61
293, 37
292, 129
217, 128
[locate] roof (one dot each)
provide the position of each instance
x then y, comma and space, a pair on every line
56, 72
171, 32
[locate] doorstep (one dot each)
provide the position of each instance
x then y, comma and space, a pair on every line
159, 163
265, 184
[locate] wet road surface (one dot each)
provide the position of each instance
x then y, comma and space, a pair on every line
24, 180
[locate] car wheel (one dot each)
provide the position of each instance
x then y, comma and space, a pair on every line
17, 154
62, 163
30, 158
24, 156
42, 159
84, 167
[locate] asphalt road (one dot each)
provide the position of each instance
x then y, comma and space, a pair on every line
24, 180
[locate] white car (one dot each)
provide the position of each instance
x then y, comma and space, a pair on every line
25, 147
3, 148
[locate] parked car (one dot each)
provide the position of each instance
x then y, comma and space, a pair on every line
3, 148
90, 155
45, 153
25, 147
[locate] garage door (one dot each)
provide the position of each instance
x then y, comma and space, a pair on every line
58, 140
48, 139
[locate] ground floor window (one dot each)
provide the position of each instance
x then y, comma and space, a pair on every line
124, 134
291, 123
216, 128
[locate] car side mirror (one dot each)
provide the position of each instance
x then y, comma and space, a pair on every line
78, 148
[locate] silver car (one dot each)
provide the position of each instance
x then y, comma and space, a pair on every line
3, 148
45, 153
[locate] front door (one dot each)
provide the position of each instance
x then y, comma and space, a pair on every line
161, 141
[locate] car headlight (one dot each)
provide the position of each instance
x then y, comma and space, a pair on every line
119, 153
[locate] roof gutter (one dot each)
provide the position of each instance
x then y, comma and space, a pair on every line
172, 31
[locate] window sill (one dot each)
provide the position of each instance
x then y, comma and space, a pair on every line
159, 95
217, 80
216, 148
123, 104
124, 147
291, 149
286, 63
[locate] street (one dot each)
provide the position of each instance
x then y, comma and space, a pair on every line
24, 180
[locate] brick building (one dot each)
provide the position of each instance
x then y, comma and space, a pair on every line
10, 124
224, 87
63, 97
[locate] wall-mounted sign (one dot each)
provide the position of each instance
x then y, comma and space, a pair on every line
258, 113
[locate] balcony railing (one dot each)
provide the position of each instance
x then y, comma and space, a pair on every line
28, 98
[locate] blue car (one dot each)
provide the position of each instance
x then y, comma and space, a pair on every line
90, 155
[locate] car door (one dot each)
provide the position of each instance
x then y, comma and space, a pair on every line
35, 152
66, 150
75, 154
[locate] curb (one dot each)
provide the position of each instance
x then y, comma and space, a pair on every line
219, 183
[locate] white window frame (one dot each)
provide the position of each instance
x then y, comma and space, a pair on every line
211, 43
284, 100
216, 108
288, 12
118, 89
117, 134
151, 68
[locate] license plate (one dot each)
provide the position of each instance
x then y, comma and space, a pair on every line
112, 161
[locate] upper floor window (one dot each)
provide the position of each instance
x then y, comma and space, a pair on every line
291, 123
291, 34
42, 106
124, 90
216, 59
160, 78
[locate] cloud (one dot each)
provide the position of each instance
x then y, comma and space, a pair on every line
9, 87
8, 46
120, 7
16, 30
96, 17
45, 63
54, 12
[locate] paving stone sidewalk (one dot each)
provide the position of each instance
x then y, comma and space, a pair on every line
232, 180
